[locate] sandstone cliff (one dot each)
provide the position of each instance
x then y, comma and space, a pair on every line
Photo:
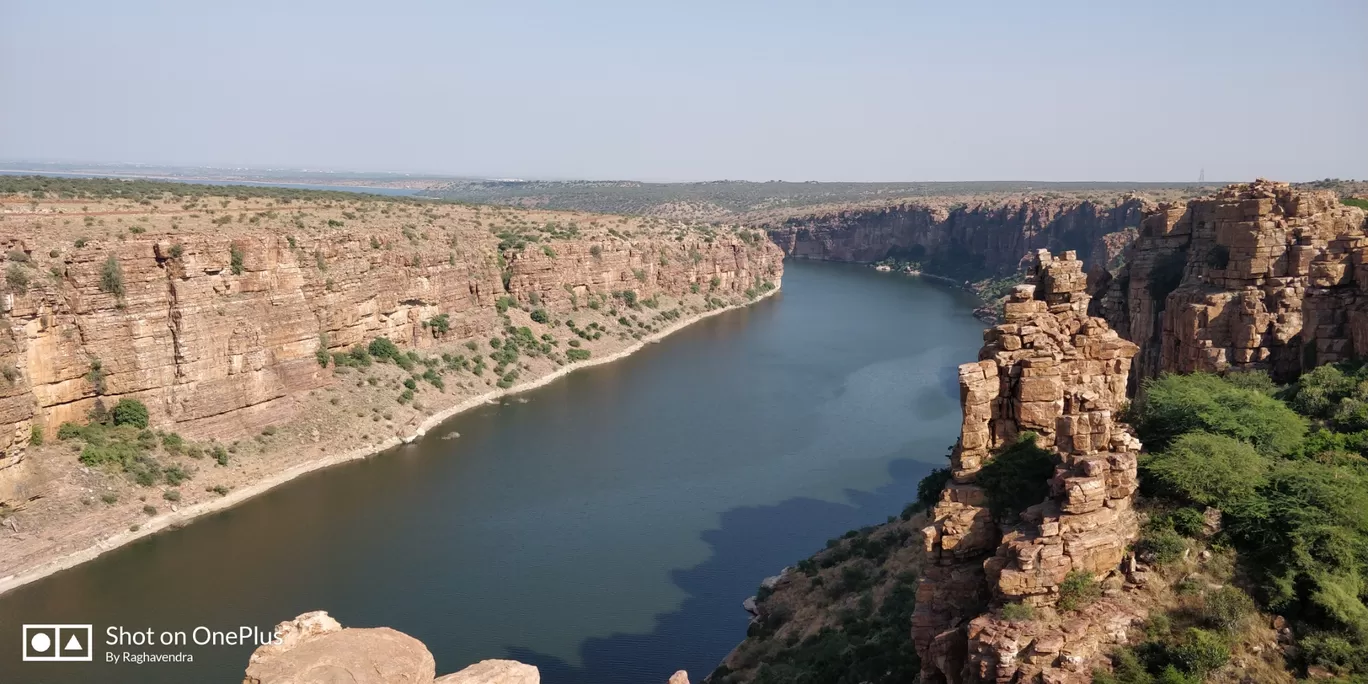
958, 239
220, 313
1260, 275
923, 594
1054, 371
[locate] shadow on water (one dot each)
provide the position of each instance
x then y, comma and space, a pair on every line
710, 622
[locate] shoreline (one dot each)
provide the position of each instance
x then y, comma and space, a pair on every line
177, 519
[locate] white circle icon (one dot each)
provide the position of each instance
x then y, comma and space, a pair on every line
40, 642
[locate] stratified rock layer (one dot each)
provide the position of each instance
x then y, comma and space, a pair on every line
1052, 370
991, 237
216, 332
1259, 275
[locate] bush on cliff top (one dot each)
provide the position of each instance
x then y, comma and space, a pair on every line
1173, 405
1206, 469
1295, 505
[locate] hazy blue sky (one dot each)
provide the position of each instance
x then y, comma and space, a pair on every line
697, 90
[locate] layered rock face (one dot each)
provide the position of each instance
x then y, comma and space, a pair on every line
1052, 370
215, 329
1260, 275
988, 237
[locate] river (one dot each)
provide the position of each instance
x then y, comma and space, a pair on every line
605, 527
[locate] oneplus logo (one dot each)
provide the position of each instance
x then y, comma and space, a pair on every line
58, 643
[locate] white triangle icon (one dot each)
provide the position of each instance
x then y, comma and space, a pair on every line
72, 644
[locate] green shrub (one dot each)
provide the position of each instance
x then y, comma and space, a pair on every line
175, 474
1226, 609
111, 277
577, 354
1173, 405
171, 495
928, 491
1206, 469
118, 453
36, 435
1017, 477
1188, 522
383, 348
1306, 537
1018, 612
69, 430
1165, 545
172, 442
440, 324
1257, 380
17, 278
1199, 652
235, 256
540, 316
1078, 590
130, 412
1126, 669
1318, 392
1336, 652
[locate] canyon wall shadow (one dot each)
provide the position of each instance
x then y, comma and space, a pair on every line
710, 622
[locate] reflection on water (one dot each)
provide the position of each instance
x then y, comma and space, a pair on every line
606, 530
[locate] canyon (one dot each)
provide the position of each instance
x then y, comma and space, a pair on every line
1258, 276
219, 329
961, 239
239, 321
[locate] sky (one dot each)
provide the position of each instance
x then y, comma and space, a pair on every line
697, 90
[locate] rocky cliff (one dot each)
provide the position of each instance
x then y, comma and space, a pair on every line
1260, 275
925, 595
1056, 372
960, 239
213, 310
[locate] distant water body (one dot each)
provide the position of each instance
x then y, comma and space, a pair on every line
192, 181
607, 530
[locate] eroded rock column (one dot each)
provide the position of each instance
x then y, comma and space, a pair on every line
1053, 370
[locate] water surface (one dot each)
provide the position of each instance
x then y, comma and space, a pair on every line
606, 530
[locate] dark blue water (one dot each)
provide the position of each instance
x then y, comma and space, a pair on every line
607, 530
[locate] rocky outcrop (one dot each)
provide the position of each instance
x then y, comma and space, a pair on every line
314, 648
1260, 275
1054, 371
494, 672
216, 326
974, 240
